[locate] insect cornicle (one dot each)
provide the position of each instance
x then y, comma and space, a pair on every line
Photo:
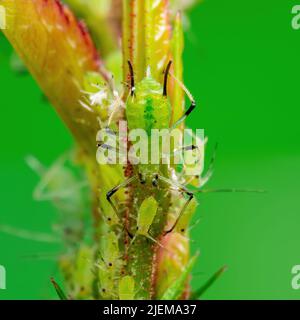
148, 107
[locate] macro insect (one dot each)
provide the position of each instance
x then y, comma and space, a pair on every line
145, 218
108, 264
148, 108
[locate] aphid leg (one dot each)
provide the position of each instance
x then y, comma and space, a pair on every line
210, 169
132, 84
181, 189
115, 189
157, 242
105, 146
192, 106
117, 103
28, 235
181, 149
133, 238
231, 190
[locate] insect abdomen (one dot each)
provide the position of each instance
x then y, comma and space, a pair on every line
148, 109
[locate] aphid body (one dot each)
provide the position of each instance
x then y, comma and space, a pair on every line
147, 108
146, 216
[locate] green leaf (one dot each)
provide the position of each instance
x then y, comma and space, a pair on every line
58, 290
198, 293
177, 288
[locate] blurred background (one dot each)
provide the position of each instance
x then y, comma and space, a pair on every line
241, 64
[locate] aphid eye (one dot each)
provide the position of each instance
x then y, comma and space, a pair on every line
110, 264
109, 219
154, 183
137, 228
103, 290
182, 230
142, 180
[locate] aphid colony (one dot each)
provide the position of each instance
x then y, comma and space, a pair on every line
148, 107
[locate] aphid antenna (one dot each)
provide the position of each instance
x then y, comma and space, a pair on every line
132, 83
231, 190
183, 87
97, 86
133, 238
157, 242
167, 72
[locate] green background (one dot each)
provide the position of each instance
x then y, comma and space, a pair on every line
242, 65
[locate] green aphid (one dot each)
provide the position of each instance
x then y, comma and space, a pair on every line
185, 219
82, 274
110, 251
145, 218
146, 215
148, 107
109, 265
126, 288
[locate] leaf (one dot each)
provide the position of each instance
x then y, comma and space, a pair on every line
58, 290
58, 51
177, 288
170, 261
198, 293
